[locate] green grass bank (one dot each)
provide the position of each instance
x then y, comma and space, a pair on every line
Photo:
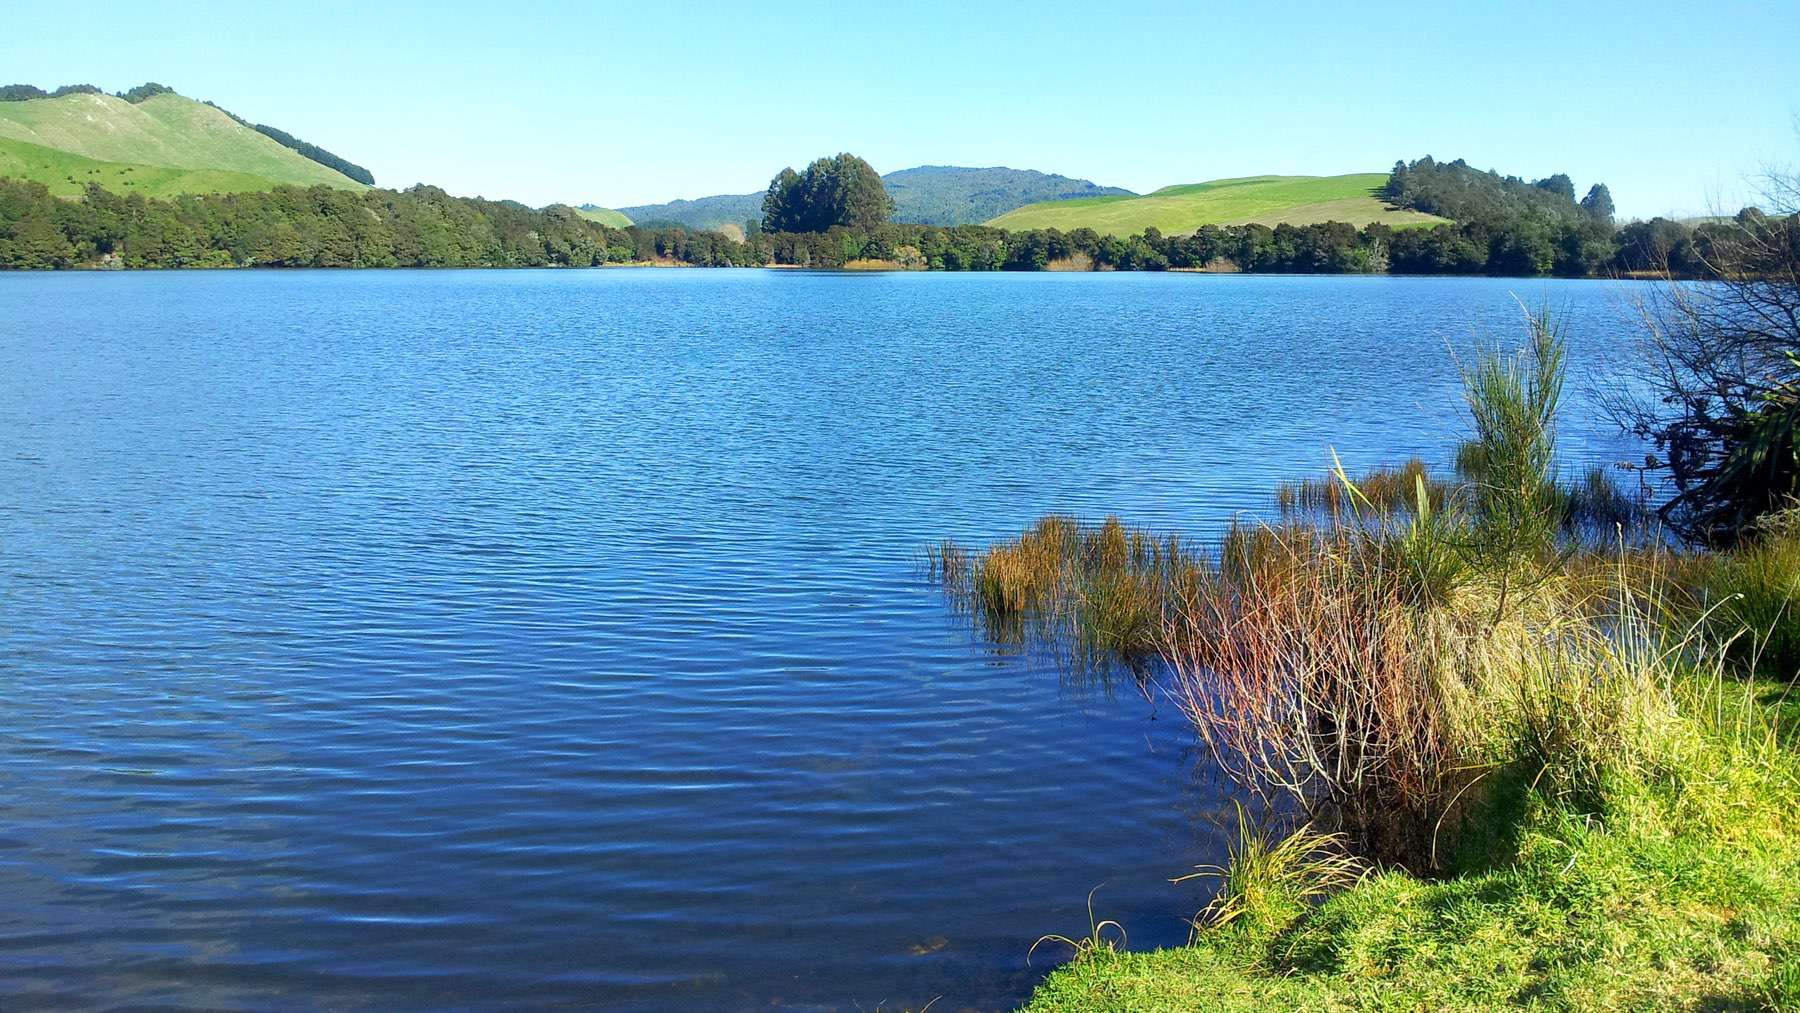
1258, 200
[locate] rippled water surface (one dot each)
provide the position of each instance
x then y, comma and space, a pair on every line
409, 639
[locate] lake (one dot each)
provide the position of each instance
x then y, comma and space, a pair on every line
410, 639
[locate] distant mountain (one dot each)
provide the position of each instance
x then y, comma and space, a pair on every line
928, 194
1259, 200
160, 145
957, 195
707, 213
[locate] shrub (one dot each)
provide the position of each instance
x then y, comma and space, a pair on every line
1307, 673
1512, 402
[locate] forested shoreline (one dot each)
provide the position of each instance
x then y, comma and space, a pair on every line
1503, 226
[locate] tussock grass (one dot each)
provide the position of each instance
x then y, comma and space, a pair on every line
1304, 677
1271, 879
1755, 598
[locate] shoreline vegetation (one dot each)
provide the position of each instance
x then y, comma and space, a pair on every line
1500, 737
1502, 226
1495, 740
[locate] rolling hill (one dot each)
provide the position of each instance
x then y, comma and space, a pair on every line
926, 194
1263, 200
164, 145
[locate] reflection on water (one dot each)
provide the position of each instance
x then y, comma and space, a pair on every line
405, 639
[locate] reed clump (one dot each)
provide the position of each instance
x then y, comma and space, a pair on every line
1385, 669
1385, 489
1599, 505
1094, 591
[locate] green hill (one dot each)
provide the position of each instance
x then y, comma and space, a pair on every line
1262, 200
605, 216
114, 138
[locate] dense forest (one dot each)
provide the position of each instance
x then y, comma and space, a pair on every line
1508, 227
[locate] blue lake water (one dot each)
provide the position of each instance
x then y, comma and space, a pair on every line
407, 639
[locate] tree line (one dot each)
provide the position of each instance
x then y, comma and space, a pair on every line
27, 92
426, 227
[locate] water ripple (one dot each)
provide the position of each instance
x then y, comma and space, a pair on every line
411, 639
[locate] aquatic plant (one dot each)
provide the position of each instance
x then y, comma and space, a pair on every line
1096, 591
1384, 489
1309, 676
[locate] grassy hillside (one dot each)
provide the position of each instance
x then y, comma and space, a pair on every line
68, 175
605, 216
167, 131
1264, 200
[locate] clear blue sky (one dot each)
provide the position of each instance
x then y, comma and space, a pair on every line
1675, 106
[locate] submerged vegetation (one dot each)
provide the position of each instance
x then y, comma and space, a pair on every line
1524, 749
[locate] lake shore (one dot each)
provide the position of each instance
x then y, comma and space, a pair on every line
1562, 770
